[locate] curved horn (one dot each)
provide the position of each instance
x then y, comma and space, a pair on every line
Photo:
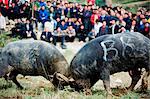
61, 77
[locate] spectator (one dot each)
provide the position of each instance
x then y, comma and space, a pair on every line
52, 13
2, 23
18, 29
91, 34
122, 29
86, 19
43, 15
146, 31
103, 30
70, 34
113, 29
92, 2
73, 11
63, 26
60, 32
142, 25
3, 9
47, 36
67, 10
28, 33
121, 21
97, 25
104, 17
48, 4
70, 22
58, 11
82, 33
42, 3
49, 26
25, 9
95, 16
34, 16
13, 12
127, 20
133, 27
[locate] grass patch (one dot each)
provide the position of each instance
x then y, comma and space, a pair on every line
134, 8
10, 91
5, 39
125, 1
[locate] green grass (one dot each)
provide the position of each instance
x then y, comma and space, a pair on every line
5, 39
125, 1
134, 8
9, 90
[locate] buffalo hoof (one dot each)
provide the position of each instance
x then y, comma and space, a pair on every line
87, 91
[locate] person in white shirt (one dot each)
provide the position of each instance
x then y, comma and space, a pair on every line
49, 25
2, 22
97, 25
70, 33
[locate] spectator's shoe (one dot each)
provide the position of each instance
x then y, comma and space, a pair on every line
63, 46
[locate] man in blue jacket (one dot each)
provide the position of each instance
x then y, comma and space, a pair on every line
43, 15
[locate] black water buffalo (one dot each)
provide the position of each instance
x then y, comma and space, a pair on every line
31, 57
110, 54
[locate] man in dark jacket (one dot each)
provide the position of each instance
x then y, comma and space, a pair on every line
103, 30
29, 30
18, 29
133, 27
113, 29
13, 12
46, 36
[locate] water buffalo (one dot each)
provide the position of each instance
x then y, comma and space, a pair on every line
110, 54
31, 57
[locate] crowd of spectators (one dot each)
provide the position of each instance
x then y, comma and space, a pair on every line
64, 21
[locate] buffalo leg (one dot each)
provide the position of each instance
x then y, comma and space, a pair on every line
107, 86
13, 76
145, 81
135, 76
6, 77
87, 87
105, 76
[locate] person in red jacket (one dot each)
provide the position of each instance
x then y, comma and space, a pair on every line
91, 2
95, 16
